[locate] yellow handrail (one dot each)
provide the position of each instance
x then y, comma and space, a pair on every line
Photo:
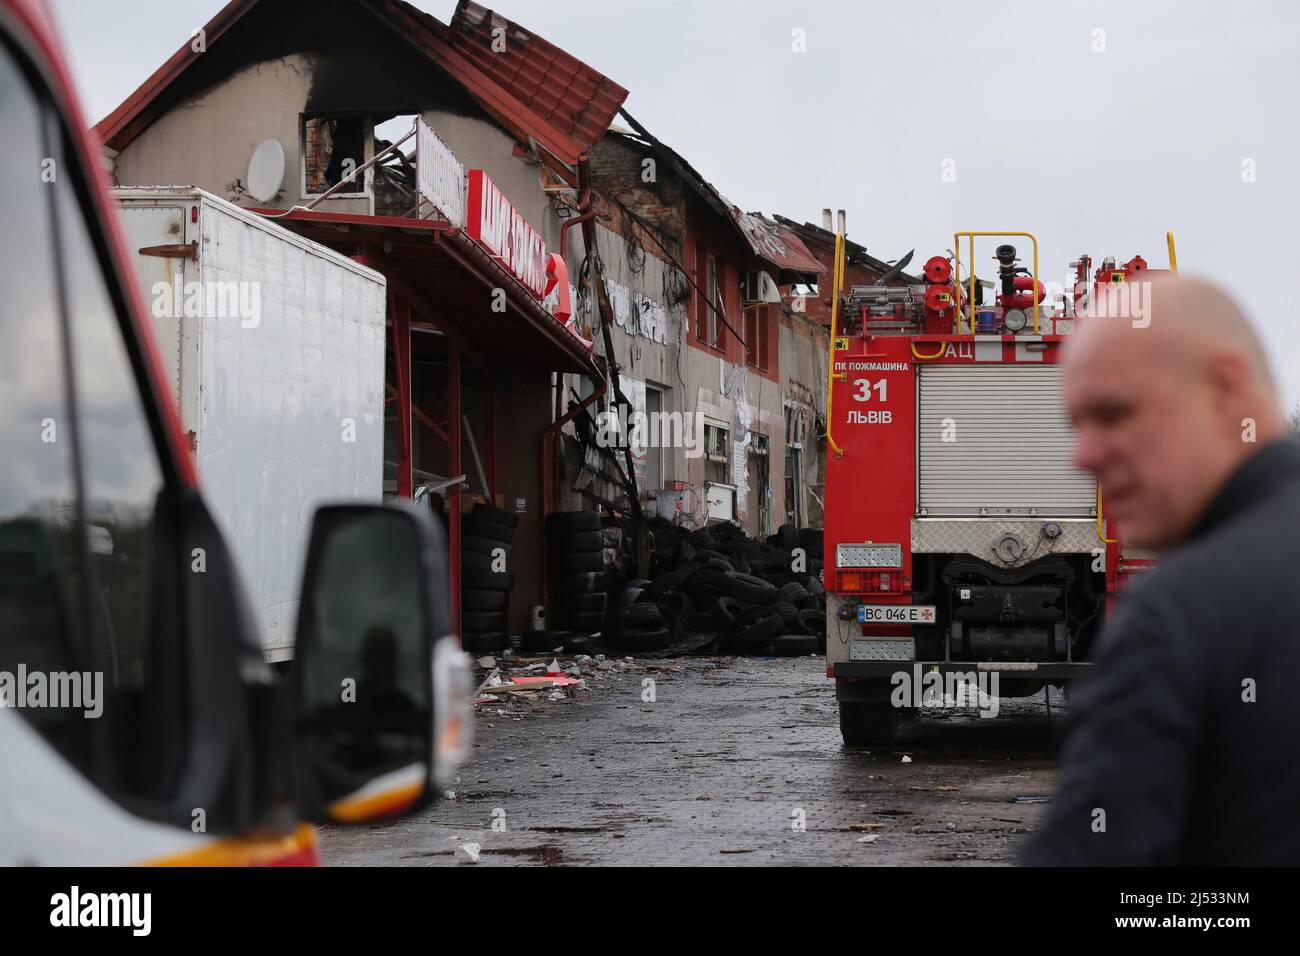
831, 377
1100, 518
925, 358
1173, 256
957, 237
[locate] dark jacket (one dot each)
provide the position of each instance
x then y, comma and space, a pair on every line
1164, 737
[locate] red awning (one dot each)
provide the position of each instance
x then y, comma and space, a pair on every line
454, 279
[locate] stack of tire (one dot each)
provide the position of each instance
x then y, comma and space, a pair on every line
717, 580
636, 622
754, 616
485, 589
576, 559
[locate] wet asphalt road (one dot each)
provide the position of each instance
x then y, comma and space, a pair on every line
736, 761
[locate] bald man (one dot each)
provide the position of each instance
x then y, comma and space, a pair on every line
1184, 743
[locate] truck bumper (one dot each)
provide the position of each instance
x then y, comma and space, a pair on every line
1028, 670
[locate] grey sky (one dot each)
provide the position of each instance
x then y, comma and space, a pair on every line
1097, 152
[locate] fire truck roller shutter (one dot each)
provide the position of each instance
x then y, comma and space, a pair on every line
994, 440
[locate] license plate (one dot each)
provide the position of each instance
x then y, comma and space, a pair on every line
896, 613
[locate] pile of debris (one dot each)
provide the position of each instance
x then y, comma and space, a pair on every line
711, 589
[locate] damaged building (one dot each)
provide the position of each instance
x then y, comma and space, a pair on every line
501, 373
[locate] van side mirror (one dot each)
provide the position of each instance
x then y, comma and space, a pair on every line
380, 686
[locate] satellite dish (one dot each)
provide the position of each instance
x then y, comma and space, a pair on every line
265, 170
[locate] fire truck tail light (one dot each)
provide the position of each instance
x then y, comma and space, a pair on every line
869, 582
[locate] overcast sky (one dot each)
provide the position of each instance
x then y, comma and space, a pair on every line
1098, 126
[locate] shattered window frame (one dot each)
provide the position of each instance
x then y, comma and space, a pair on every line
359, 188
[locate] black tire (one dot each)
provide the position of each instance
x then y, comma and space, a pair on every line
578, 583
717, 564
680, 603
701, 622
789, 615
482, 622
748, 616
867, 722
707, 577
814, 621
667, 581
486, 512
702, 539
704, 596
655, 639
565, 522
672, 620
582, 622
475, 600
787, 536
482, 562
484, 643
581, 541
747, 588
483, 546
793, 592
626, 598
640, 617
471, 527
755, 634
792, 645
725, 612
485, 579
577, 562
590, 601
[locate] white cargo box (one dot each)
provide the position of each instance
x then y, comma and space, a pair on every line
275, 349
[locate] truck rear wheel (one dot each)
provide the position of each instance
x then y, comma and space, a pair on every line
863, 723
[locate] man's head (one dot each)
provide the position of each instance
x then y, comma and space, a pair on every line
1166, 405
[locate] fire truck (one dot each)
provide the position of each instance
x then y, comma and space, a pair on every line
966, 557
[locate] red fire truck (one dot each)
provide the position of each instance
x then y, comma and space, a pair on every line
963, 548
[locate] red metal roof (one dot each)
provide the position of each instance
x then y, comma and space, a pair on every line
566, 94
533, 88
777, 244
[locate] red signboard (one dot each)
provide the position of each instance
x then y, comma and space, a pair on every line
494, 223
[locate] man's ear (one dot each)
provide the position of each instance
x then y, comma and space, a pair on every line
1228, 375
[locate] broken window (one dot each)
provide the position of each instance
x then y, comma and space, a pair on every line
394, 180
333, 147
717, 449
